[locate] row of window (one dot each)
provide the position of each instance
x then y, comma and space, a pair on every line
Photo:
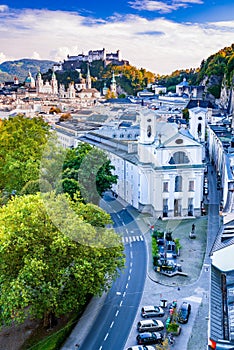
129, 136
178, 185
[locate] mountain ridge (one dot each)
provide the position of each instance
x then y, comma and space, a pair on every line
20, 68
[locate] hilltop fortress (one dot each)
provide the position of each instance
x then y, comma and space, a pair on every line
74, 62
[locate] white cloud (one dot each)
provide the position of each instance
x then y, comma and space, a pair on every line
3, 8
36, 56
4, 58
55, 34
161, 7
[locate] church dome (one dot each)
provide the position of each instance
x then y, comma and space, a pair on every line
29, 81
29, 78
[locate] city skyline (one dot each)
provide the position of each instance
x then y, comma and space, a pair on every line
158, 36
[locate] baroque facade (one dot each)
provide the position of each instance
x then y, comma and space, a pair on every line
50, 88
160, 173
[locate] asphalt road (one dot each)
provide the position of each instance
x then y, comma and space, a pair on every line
113, 324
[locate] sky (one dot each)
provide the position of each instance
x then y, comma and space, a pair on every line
160, 36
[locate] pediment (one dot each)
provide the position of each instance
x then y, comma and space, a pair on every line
181, 140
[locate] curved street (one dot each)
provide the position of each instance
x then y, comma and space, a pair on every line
104, 324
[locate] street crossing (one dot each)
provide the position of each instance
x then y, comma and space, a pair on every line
131, 239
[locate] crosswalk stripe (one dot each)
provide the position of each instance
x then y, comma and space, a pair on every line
130, 239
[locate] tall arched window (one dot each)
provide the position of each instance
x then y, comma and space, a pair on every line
199, 129
149, 131
178, 183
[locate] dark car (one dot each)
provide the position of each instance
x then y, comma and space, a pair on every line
141, 347
184, 312
149, 338
152, 311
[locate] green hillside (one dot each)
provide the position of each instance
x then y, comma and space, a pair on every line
20, 68
128, 78
211, 72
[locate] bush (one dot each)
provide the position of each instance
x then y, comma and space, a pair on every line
173, 327
154, 247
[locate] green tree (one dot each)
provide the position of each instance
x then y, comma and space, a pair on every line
91, 168
21, 145
185, 112
51, 258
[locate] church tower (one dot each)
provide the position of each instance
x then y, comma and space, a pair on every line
88, 79
148, 128
71, 91
54, 84
197, 122
113, 85
39, 83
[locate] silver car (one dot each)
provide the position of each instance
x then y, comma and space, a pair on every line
152, 311
150, 325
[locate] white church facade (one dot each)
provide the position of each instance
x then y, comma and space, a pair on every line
162, 172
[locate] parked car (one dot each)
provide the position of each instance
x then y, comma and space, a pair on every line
141, 347
149, 338
150, 325
152, 311
205, 191
184, 312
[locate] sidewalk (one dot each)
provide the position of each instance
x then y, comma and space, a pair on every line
192, 251
82, 328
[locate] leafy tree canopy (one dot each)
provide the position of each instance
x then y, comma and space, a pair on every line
92, 169
52, 257
128, 77
21, 145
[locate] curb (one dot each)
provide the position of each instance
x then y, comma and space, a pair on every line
84, 325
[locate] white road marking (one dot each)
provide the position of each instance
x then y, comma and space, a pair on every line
194, 298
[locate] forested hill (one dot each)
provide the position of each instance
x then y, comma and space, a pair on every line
211, 72
20, 68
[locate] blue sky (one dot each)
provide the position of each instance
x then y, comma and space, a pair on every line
161, 36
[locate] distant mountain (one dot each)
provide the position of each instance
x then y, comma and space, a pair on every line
20, 68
